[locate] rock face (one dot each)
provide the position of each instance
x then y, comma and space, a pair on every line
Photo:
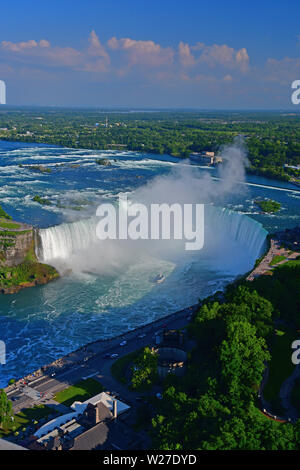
19, 267
15, 244
103, 161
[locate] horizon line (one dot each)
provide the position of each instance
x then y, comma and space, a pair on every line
149, 108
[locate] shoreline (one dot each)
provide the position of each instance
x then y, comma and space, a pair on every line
180, 158
89, 350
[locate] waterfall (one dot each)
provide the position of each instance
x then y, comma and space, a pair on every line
63, 241
246, 231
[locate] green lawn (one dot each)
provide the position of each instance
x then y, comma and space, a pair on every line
120, 366
27, 417
80, 391
9, 225
277, 259
280, 367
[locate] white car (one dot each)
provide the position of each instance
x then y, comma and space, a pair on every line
114, 355
142, 336
123, 343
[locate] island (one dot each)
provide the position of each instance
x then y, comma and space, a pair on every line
19, 266
103, 161
268, 205
42, 201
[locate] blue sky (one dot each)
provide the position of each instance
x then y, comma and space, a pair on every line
192, 53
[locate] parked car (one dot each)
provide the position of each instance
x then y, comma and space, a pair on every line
106, 356
114, 355
142, 335
123, 343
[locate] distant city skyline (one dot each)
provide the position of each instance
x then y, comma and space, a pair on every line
171, 54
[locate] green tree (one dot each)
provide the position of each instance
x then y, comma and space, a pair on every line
243, 356
144, 371
6, 411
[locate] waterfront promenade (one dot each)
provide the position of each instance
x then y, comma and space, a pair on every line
89, 361
265, 267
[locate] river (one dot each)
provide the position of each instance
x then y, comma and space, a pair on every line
114, 292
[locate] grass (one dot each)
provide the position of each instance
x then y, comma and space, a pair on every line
120, 366
27, 417
80, 391
277, 259
10, 225
30, 255
3, 214
10, 233
25, 272
281, 366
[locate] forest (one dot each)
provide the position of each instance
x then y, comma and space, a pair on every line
216, 405
272, 138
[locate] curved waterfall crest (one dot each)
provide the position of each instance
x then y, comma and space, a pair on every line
62, 241
240, 227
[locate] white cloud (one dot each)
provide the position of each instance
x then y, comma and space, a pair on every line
151, 60
186, 58
145, 53
225, 56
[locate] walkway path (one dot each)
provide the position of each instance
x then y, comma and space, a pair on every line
89, 361
264, 266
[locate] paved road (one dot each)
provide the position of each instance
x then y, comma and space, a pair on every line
98, 366
285, 394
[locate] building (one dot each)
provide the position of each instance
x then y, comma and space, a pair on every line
171, 360
206, 158
92, 424
173, 338
172, 356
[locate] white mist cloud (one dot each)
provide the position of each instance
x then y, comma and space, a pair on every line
184, 185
